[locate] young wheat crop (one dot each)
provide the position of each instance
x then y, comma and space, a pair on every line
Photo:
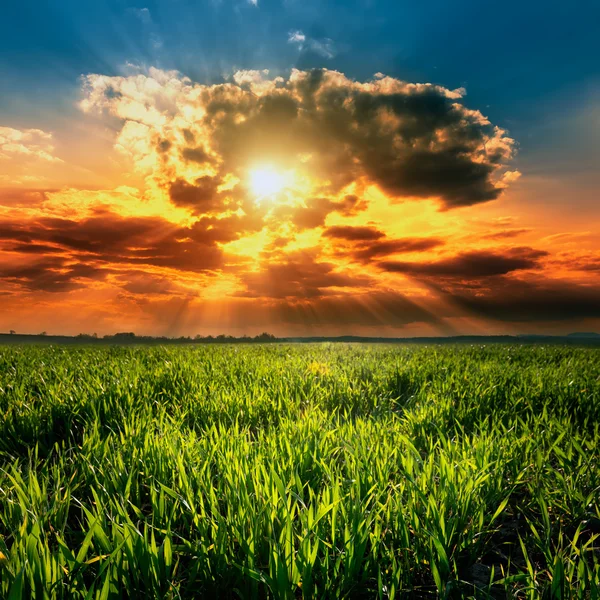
299, 471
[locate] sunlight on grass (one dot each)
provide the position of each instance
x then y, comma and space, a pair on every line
314, 471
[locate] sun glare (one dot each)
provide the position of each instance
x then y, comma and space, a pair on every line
266, 181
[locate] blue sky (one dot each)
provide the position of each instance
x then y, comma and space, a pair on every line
510, 56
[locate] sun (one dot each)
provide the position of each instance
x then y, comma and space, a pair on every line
266, 181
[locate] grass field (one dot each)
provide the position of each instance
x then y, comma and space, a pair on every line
288, 471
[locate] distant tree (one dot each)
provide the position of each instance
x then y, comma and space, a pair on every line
265, 337
12, 332
43, 333
86, 336
125, 335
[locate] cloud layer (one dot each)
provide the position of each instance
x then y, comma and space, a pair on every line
379, 217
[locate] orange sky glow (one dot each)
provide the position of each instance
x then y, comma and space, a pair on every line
311, 204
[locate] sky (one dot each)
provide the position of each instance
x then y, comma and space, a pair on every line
301, 167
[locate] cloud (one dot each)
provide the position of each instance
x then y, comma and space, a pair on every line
410, 140
197, 154
26, 144
395, 246
353, 233
33, 248
298, 275
201, 196
324, 47
529, 301
22, 197
507, 233
143, 14
256, 81
296, 37
366, 244
147, 284
471, 264
111, 241
579, 262
51, 274
314, 211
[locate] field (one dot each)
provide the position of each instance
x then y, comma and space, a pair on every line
288, 471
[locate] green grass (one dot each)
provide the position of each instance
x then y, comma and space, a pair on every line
286, 471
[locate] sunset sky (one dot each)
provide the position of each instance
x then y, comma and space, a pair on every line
300, 167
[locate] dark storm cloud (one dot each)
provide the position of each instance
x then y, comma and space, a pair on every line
474, 264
